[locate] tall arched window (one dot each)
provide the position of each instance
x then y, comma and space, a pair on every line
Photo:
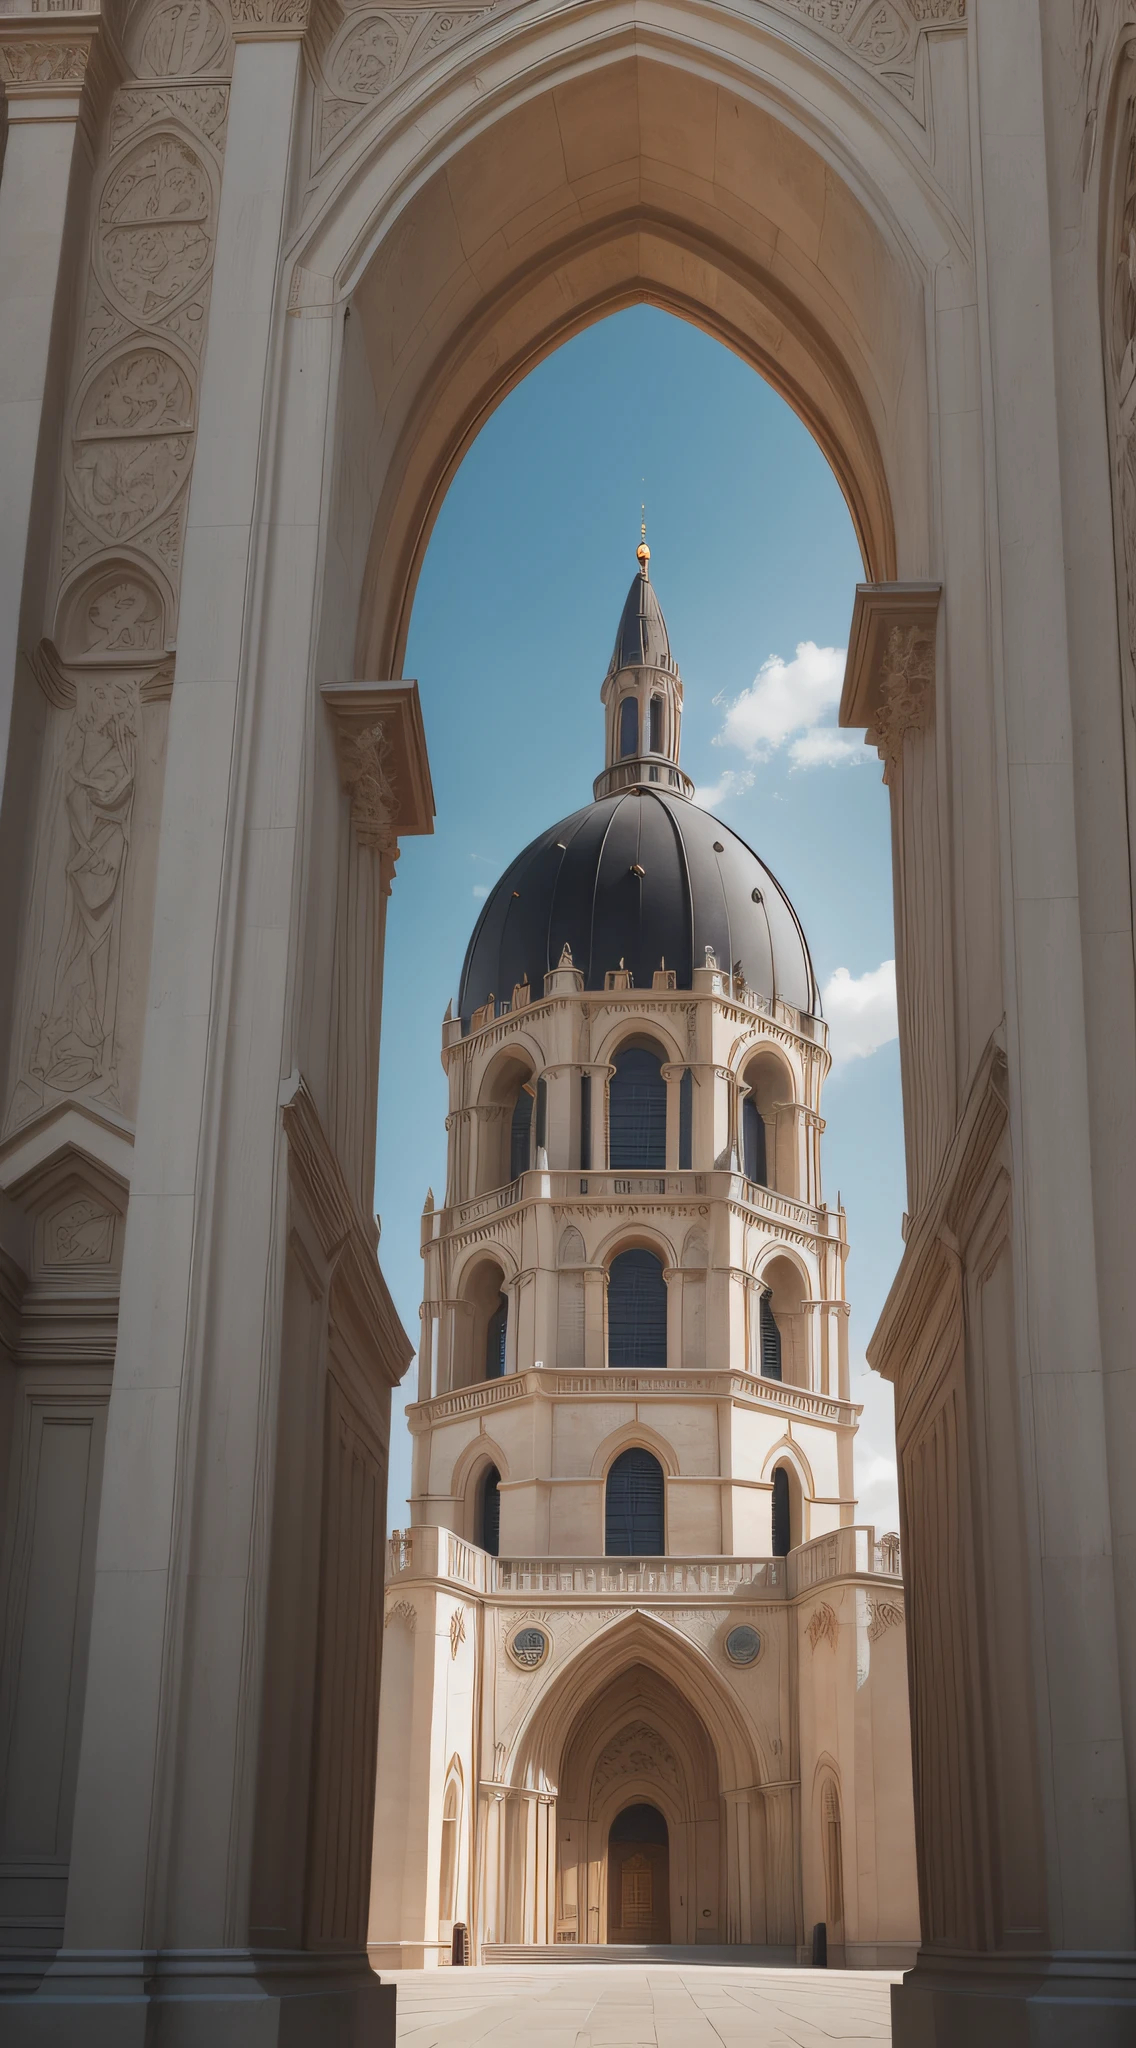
753, 1143
634, 1524
833, 1857
489, 1512
782, 1530
636, 1311
496, 1332
637, 1111
770, 1341
656, 725
448, 1874
628, 728
520, 1134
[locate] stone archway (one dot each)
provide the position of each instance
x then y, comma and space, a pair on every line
863, 216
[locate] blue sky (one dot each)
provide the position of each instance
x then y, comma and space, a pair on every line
755, 562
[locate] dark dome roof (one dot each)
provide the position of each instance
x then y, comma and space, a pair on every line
642, 640
701, 886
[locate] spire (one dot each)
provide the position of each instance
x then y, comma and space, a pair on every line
642, 695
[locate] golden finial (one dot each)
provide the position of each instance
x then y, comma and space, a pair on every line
643, 552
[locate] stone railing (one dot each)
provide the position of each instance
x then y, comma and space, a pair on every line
427, 1552
615, 1383
434, 1553
844, 1553
541, 1184
761, 1575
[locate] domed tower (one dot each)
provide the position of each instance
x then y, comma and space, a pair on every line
644, 1675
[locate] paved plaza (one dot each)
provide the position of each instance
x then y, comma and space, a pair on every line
641, 2006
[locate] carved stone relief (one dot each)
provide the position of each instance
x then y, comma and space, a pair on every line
370, 51
822, 1628
128, 451
638, 1751
885, 33
79, 1234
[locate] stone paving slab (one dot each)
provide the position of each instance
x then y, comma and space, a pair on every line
643, 2006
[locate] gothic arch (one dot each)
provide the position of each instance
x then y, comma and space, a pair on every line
638, 1639
786, 1451
628, 1437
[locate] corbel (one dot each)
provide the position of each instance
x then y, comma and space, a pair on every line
383, 765
889, 677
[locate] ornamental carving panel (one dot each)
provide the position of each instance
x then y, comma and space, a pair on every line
132, 444
371, 51
183, 38
885, 34
80, 1234
46, 63
154, 240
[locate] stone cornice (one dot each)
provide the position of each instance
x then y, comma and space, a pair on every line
611, 1383
889, 679
383, 764
56, 67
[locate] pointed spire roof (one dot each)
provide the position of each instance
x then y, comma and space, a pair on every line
642, 640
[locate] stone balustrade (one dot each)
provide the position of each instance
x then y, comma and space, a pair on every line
436, 1553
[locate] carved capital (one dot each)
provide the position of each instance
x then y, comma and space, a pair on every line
44, 63
889, 682
383, 767
258, 21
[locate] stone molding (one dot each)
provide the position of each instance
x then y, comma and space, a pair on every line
383, 765
53, 65
889, 679
265, 21
345, 1241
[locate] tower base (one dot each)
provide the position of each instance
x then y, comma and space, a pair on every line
203, 1998
1066, 2000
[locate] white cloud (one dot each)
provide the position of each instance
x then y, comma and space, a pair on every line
823, 746
792, 700
730, 783
861, 1011
479, 891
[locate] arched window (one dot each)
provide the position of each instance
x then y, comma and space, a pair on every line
448, 1877
753, 1143
656, 725
782, 1532
628, 728
520, 1134
633, 1510
770, 1341
489, 1512
637, 1111
833, 1857
496, 1331
636, 1311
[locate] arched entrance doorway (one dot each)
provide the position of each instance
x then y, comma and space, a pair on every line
638, 1876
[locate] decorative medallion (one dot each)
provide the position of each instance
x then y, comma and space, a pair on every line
743, 1645
154, 235
529, 1647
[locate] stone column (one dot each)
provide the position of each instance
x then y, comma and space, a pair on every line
739, 1889
45, 60
219, 1857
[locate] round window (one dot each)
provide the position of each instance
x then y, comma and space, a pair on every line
743, 1645
529, 1647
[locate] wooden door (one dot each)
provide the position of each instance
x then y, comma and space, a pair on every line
638, 1892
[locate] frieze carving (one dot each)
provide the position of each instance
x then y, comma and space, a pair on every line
269, 17
907, 691
204, 108
822, 1627
371, 51
43, 63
